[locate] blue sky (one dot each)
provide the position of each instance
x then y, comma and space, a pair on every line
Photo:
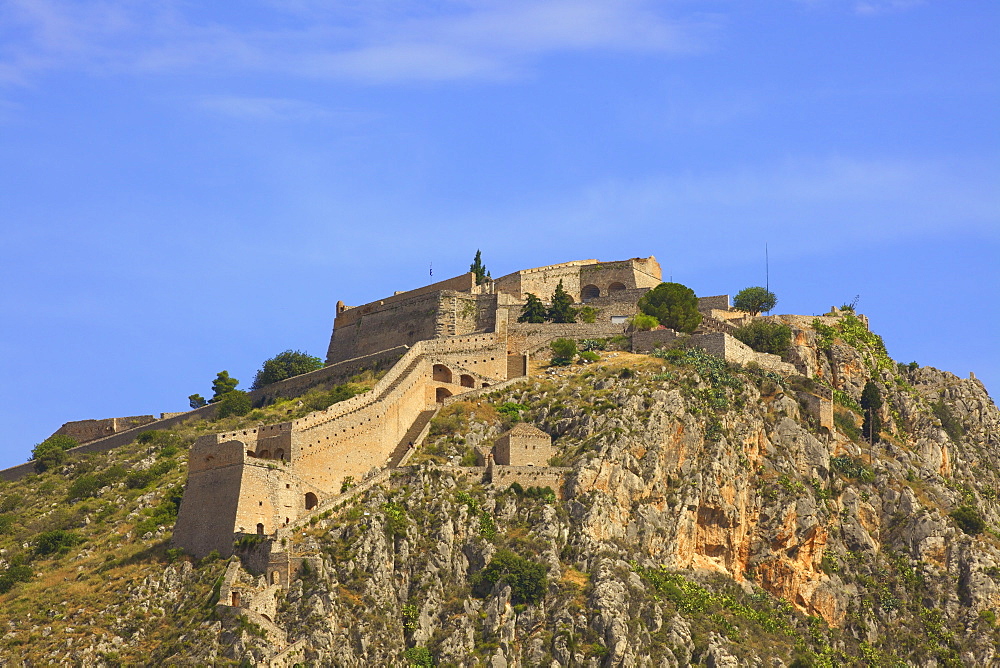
188, 186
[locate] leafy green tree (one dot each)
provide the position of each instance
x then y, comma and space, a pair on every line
533, 311
285, 365
871, 402
673, 305
527, 579
562, 306
755, 300
51, 452
563, 351
196, 401
223, 384
479, 269
234, 402
643, 323
765, 336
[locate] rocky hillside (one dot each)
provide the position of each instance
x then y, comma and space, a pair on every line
708, 520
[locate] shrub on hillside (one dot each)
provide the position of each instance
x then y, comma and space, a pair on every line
766, 336
643, 322
969, 520
563, 351
587, 314
527, 579
57, 541
285, 365
234, 402
51, 452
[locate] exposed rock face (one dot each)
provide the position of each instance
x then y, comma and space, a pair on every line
707, 519
722, 480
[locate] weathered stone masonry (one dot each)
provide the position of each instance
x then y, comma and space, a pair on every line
455, 333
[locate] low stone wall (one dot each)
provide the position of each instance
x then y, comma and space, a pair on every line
644, 342
733, 350
529, 476
528, 337
83, 431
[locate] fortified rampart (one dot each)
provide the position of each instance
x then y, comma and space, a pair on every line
285, 470
83, 431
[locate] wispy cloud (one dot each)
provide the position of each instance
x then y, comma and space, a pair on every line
263, 108
872, 7
449, 40
853, 200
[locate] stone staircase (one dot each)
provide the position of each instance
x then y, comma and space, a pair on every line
412, 437
714, 325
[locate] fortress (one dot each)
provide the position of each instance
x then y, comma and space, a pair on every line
439, 342
442, 340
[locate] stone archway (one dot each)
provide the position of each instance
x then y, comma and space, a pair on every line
279, 453
311, 501
467, 381
264, 454
441, 373
590, 292
441, 394
616, 287
260, 528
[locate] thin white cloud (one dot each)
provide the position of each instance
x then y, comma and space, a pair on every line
854, 201
873, 7
413, 40
264, 108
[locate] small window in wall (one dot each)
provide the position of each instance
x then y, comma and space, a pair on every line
310, 501
236, 599
274, 577
260, 528
619, 319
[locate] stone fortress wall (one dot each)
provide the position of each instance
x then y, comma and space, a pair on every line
442, 341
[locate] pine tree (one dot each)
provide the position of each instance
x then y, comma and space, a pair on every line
479, 269
562, 306
223, 384
533, 311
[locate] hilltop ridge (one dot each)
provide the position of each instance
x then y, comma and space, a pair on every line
702, 504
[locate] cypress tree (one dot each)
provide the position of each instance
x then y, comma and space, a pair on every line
533, 311
562, 306
871, 402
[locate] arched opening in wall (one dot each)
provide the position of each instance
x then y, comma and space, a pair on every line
441, 394
590, 292
616, 287
260, 528
486, 384
311, 501
442, 374
266, 617
264, 454
467, 380
279, 453
236, 599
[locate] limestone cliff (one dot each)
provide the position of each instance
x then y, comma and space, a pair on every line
708, 518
